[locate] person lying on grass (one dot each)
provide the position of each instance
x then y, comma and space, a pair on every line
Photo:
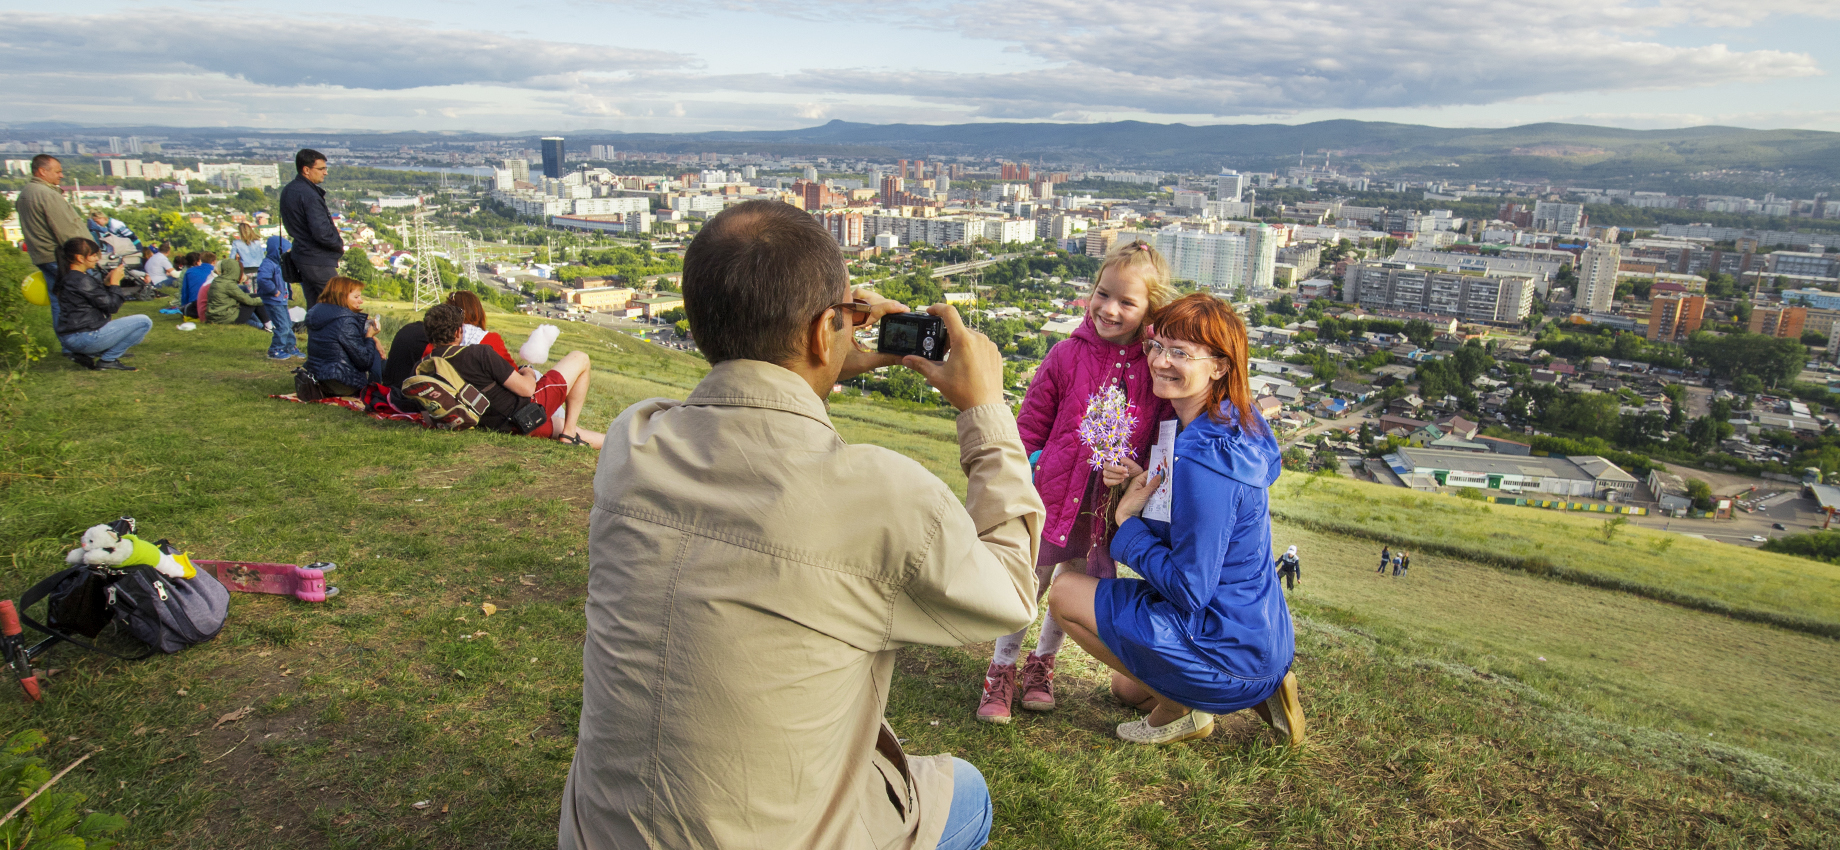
1206, 630
564, 388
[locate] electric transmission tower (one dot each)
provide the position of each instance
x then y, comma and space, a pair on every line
427, 274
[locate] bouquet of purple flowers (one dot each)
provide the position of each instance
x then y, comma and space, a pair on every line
1107, 426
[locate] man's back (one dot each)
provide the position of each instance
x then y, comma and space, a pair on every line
751, 577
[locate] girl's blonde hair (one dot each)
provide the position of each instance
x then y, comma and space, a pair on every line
1137, 257
248, 233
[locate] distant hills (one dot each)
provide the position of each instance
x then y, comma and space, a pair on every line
1534, 151
1573, 153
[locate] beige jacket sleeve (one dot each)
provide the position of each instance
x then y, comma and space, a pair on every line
976, 579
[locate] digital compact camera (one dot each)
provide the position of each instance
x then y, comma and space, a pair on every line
923, 334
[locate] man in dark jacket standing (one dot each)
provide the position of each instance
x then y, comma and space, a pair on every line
318, 248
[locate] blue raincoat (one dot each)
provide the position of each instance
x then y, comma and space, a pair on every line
1207, 625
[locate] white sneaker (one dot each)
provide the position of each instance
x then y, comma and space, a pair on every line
1195, 724
188, 326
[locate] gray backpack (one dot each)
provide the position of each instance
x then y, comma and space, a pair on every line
165, 613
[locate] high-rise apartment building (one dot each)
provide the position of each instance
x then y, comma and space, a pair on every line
1783, 322
1222, 262
844, 226
552, 157
1597, 277
601, 153
1503, 299
1672, 317
519, 170
811, 172
903, 168
1563, 219
892, 190
1230, 186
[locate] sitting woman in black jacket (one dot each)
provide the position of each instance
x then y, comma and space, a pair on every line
85, 303
343, 352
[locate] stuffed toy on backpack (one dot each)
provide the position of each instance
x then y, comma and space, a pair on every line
102, 546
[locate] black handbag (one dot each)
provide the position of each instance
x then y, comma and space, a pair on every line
290, 271
529, 418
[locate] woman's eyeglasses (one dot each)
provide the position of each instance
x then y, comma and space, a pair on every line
1176, 355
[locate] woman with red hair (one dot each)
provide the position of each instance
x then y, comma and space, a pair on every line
1206, 630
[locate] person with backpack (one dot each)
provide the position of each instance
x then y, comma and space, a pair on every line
343, 353
507, 392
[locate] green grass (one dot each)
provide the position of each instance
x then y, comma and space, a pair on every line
1433, 721
1768, 587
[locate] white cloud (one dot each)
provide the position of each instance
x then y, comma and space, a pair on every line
357, 53
1063, 60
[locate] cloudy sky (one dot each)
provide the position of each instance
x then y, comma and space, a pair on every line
679, 65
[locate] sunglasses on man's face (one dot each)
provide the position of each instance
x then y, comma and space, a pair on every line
859, 312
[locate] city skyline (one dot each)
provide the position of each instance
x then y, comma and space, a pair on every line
702, 65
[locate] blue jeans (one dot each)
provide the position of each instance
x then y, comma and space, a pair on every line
110, 341
283, 343
51, 278
968, 821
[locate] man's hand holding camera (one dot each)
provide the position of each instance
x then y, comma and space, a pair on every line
858, 361
972, 374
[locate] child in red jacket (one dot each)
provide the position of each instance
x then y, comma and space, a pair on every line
1132, 284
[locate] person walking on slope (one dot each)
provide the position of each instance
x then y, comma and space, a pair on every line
1397, 558
1133, 282
1386, 559
1289, 569
1405, 563
318, 247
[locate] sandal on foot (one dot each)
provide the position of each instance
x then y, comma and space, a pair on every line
571, 440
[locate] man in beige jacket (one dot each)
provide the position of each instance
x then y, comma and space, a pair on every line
752, 575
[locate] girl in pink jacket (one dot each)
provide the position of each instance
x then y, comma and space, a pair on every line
1133, 283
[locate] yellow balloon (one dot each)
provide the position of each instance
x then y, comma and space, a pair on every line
34, 288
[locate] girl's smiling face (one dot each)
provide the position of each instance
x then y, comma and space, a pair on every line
1118, 306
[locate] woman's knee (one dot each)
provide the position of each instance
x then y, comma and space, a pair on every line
1070, 598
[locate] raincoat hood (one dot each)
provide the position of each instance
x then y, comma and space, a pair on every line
1252, 459
277, 246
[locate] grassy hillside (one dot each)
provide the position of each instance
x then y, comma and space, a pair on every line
1780, 589
1463, 705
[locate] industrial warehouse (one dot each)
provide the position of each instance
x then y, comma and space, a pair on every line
1584, 476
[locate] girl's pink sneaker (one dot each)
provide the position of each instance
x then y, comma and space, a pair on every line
999, 689
1038, 683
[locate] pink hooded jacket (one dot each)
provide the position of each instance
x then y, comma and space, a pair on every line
1050, 420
